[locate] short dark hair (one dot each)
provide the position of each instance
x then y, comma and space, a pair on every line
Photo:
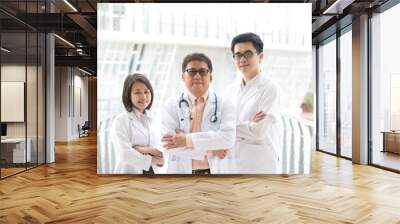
196, 57
248, 37
126, 93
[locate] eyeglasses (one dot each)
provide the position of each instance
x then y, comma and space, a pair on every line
193, 72
246, 54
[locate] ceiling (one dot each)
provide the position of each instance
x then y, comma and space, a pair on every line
76, 21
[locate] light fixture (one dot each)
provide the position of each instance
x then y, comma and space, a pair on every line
80, 51
70, 5
337, 7
5, 50
84, 71
64, 40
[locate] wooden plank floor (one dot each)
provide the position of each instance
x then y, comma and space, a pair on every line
10, 171
70, 191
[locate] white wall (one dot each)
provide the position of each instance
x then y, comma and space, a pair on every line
15, 73
61, 103
79, 117
33, 126
69, 85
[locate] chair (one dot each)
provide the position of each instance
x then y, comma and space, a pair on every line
84, 130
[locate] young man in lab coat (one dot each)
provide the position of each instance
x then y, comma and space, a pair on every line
256, 96
198, 125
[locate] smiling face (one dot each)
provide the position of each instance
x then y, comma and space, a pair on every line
140, 96
197, 77
250, 65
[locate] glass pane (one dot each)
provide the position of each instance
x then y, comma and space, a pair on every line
386, 89
41, 99
31, 100
13, 87
346, 94
327, 97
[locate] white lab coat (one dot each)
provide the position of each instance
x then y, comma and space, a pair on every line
127, 130
218, 135
257, 143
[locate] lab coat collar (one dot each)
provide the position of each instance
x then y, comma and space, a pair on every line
252, 81
136, 114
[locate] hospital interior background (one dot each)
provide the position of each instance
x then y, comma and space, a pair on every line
153, 39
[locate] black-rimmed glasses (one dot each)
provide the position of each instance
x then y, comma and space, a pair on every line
193, 72
246, 54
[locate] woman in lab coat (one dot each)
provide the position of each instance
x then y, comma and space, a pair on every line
257, 98
132, 135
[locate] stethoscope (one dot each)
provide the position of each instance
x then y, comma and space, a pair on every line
213, 118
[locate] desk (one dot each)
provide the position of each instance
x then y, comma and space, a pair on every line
13, 150
391, 141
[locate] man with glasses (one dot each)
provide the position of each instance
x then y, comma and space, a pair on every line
256, 97
198, 125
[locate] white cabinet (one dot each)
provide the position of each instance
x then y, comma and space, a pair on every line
17, 147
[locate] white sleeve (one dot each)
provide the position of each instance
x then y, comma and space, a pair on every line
124, 152
186, 152
169, 119
258, 130
224, 137
155, 130
170, 122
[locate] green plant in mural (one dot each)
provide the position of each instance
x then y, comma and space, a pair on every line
308, 103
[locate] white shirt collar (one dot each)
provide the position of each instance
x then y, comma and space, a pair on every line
141, 116
192, 98
251, 81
